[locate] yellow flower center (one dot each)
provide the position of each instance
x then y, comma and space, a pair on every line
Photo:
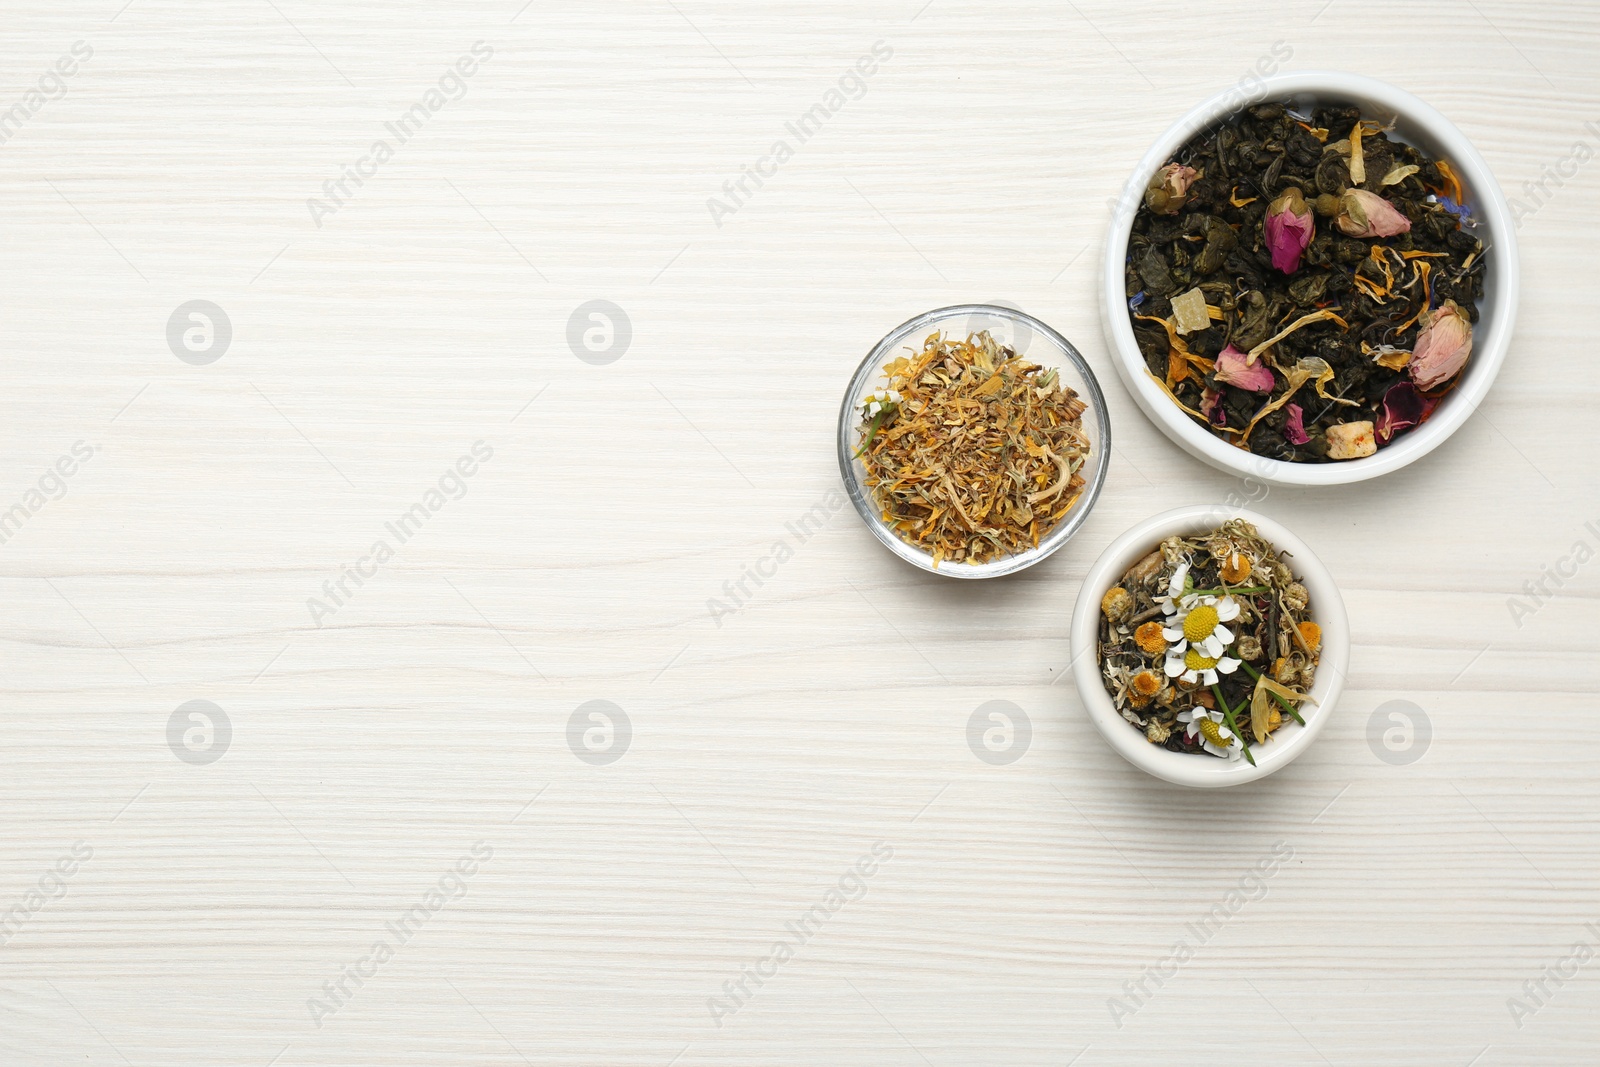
1199, 623
1213, 733
1193, 660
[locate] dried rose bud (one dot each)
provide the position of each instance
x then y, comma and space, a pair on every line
1442, 347
1233, 367
1364, 214
1169, 188
1289, 228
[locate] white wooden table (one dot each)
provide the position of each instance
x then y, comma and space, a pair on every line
166, 910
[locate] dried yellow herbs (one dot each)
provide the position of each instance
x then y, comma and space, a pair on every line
972, 452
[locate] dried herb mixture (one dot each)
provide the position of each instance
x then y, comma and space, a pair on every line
1303, 285
1207, 644
972, 452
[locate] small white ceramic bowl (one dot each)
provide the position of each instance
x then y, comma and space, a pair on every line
1415, 123
1028, 337
1194, 769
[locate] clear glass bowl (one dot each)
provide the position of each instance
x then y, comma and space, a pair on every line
1028, 337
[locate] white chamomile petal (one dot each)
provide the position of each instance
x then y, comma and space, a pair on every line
1227, 666
1174, 667
1179, 576
1223, 634
1171, 634
1210, 648
1227, 609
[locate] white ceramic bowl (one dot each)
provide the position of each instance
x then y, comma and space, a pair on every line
1028, 337
1192, 769
1415, 123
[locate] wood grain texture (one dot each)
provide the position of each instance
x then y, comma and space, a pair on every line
772, 747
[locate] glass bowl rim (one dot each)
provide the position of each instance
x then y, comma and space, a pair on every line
872, 364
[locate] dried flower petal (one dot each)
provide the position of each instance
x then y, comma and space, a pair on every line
1442, 347
1389, 356
1289, 227
1234, 367
1399, 173
1364, 214
1404, 406
1294, 427
1261, 703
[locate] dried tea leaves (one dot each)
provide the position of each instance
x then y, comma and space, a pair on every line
972, 452
1276, 239
1207, 644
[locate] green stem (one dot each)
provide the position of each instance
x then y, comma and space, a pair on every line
872, 432
1227, 714
1275, 696
1220, 592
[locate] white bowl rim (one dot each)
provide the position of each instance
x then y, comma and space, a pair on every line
1189, 769
1094, 397
1492, 336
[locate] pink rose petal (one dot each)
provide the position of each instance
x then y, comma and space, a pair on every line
1403, 407
1233, 368
1294, 427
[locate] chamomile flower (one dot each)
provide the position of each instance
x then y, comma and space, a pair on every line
1207, 727
1199, 651
1198, 623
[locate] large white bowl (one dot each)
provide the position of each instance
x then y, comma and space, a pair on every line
1415, 123
1193, 769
